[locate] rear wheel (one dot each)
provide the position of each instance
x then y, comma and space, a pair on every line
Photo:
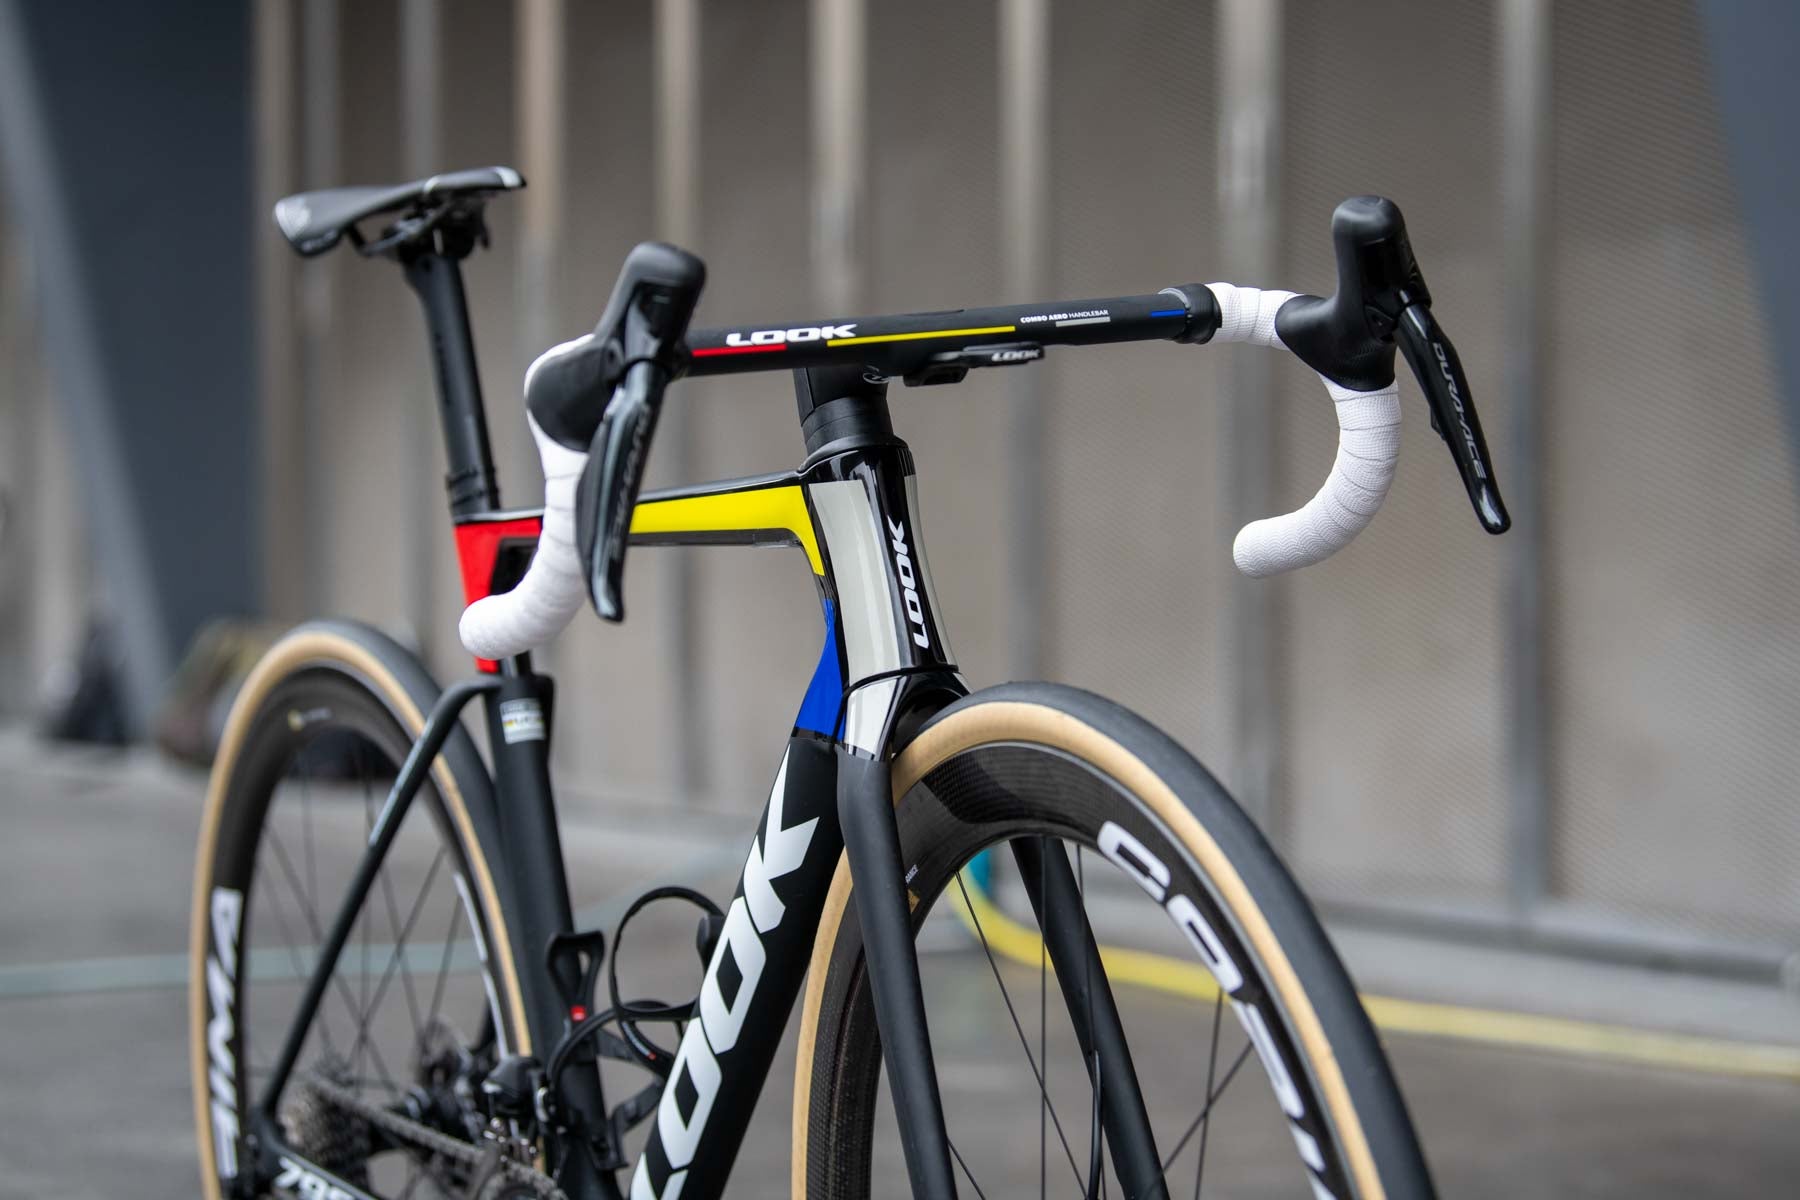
423, 999
1258, 1071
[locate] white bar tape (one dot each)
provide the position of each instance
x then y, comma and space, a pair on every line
1368, 448
550, 594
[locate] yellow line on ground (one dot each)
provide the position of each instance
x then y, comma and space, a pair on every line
1592, 1039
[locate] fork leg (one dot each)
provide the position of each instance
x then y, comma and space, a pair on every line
872, 842
1056, 899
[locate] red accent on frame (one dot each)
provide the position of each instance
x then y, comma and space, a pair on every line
714, 351
478, 549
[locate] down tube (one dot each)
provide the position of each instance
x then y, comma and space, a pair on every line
750, 985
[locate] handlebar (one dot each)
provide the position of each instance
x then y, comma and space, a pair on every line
1348, 338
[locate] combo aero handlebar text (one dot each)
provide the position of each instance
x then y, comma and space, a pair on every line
593, 402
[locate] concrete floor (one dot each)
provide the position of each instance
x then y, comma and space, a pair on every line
94, 884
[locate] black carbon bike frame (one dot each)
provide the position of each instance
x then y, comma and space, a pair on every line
884, 671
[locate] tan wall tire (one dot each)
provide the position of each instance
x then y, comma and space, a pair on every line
353, 659
1303, 987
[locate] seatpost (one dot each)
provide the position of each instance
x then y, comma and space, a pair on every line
436, 275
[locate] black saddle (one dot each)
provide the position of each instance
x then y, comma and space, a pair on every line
314, 221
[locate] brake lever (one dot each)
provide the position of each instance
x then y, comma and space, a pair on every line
1435, 365
608, 489
641, 331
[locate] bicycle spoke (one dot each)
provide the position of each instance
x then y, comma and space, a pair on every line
312, 925
365, 1042
387, 1076
1096, 1175
1087, 979
293, 880
1020, 1029
292, 946
1210, 1101
400, 934
397, 954
443, 975
312, 878
358, 1004
306, 816
967, 1174
362, 983
1043, 1044
1212, 1061
312, 921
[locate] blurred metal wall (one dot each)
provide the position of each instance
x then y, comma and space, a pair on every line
140, 298
47, 577
1389, 706
1392, 678
1611, 764
1674, 580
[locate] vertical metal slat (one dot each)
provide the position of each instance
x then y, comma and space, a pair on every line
1525, 170
676, 48
1250, 104
840, 52
320, 166
1024, 37
422, 152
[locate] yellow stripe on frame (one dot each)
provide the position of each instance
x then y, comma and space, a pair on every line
726, 512
913, 337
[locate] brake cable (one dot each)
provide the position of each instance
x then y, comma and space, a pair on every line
631, 1044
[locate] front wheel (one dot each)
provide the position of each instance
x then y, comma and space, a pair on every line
1292, 1093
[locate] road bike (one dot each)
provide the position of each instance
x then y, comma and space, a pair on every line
390, 994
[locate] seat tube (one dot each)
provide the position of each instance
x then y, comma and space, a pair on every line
519, 717
471, 483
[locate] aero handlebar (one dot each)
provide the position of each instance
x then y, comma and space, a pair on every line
593, 402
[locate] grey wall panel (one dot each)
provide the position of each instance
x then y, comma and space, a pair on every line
21, 412
1137, 555
1394, 781
377, 347
933, 119
613, 679
609, 107
935, 237
127, 158
759, 617
1669, 494
1675, 592
281, 381
45, 558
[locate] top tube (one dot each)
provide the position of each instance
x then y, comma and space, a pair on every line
907, 343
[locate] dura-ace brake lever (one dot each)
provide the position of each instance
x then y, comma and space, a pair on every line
641, 332
1382, 298
1439, 372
